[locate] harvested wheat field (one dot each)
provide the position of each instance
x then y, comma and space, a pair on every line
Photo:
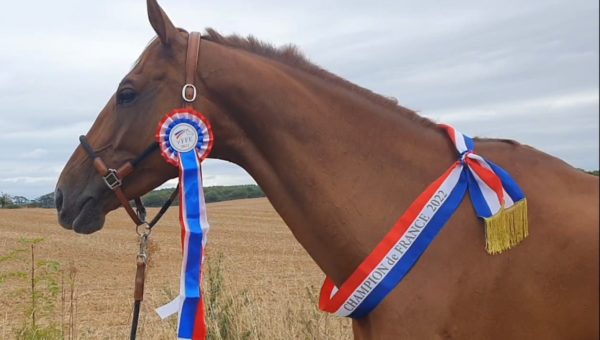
259, 282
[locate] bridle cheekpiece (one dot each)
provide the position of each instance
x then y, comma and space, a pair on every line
113, 178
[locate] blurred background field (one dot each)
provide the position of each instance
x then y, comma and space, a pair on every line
259, 282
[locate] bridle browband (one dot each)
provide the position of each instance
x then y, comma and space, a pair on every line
113, 178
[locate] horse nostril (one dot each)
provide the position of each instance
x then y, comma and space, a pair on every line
58, 199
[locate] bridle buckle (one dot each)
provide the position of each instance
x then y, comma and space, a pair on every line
112, 180
184, 93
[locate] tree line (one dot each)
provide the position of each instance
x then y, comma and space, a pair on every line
154, 198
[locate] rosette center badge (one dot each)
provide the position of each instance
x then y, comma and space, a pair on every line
183, 137
182, 131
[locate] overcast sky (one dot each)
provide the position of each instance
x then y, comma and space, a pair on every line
526, 70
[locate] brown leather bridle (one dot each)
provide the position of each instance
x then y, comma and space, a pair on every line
113, 178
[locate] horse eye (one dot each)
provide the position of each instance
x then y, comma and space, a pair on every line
126, 96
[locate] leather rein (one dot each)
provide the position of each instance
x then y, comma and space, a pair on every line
113, 178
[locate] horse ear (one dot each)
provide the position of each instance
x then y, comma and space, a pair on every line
161, 23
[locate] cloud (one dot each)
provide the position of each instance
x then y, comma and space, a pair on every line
218, 172
543, 106
28, 180
34, 154
522, 70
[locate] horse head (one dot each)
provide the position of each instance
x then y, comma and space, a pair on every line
125, 127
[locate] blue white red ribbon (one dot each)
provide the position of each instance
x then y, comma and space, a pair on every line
493, 193
186, 138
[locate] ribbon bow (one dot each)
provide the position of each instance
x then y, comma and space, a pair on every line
496, 197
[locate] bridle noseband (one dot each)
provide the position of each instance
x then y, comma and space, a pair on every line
113, 178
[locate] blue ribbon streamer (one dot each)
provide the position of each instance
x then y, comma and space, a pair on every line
192, 189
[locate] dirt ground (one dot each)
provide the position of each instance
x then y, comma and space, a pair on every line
269, 287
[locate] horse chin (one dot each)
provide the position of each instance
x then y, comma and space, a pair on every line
89, 220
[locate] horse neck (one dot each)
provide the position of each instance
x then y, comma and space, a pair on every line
338, 168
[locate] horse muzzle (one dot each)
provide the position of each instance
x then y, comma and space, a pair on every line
81, 212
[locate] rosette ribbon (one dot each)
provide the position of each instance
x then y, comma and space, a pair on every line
185, 139
496, 197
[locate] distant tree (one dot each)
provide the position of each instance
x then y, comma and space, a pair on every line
20, 200
591, 172
5, 200
45, 201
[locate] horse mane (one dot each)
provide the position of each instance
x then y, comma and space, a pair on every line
290, 55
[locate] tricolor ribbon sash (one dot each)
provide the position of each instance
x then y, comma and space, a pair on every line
185, 139
496, 197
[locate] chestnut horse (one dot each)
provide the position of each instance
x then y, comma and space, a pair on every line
340, 164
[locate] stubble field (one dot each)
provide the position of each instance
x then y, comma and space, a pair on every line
259, 282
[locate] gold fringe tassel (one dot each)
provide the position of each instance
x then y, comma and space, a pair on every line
507, 228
